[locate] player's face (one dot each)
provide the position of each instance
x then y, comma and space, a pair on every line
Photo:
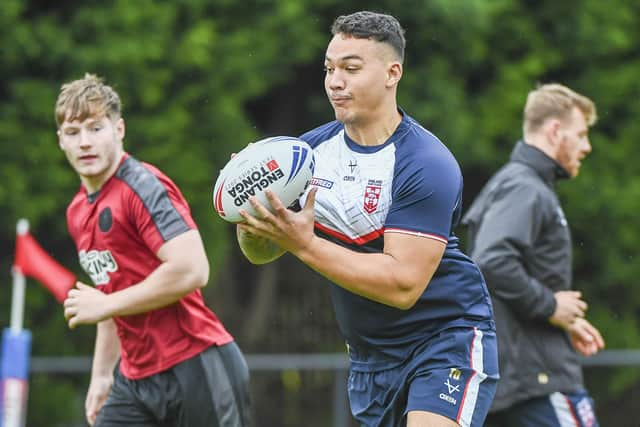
357, 78
93, 147
574, 143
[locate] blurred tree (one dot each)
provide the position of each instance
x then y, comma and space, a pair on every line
199, 79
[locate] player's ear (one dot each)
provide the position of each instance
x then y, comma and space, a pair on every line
552, 131
58, 134
120, 128
394, 74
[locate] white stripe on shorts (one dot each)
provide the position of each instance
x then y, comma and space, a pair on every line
470, 396
563, 411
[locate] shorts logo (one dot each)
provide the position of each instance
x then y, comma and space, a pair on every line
585, 412
455, 374
451, 388
372, 196
98, 264
448, 398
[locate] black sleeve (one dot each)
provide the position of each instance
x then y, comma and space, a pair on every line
502, 242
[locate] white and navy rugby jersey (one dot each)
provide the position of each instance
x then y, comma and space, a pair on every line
411, 184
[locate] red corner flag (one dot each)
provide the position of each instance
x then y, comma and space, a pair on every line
34, 262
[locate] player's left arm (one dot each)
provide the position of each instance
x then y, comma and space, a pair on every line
184, 268
396, 277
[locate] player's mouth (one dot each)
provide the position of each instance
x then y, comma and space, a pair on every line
339, 101
88, 158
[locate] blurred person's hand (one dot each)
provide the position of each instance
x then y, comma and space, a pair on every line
569, 307
99, 389
585, 338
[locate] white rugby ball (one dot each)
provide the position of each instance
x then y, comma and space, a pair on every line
282, 164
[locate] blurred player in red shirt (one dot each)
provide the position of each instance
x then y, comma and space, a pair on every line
177, 365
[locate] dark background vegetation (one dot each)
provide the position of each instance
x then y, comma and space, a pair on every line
201, 78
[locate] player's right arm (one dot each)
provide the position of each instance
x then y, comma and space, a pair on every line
258, 250
105, 357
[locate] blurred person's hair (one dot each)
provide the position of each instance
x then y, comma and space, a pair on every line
374, 26
554, 100
87, 97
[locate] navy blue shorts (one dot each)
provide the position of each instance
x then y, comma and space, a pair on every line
453, 374
210, 389
554, 410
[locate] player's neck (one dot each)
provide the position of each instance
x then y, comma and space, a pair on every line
376, 130
94, 183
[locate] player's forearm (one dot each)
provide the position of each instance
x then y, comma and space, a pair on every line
107, 349
164, 286
378, 277
258, 250
508, 280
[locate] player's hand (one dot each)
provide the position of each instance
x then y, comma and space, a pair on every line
99, 389
291, 231
85, 305
585, 338
569, 307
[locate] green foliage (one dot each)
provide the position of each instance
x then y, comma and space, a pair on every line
200, 79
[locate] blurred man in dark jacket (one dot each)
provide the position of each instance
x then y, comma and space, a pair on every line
519, 237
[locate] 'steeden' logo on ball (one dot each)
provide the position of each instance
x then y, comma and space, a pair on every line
98, 264
254, 180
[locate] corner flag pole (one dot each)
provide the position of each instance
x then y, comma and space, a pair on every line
17, 299
16, 352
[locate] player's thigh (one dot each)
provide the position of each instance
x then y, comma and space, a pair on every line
459, 377
216, 388
123, 408
429, 419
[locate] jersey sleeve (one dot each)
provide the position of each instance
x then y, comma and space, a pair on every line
158, 210
427, 191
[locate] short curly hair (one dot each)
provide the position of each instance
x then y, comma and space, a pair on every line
371, 25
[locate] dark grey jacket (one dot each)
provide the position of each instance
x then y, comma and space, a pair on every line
519, 237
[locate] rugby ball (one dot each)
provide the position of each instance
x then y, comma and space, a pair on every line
282, 164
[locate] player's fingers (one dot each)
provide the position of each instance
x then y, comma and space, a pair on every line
248, 218
595, 334
275, 201
583, 305
90, 411
251, 225
73, 322
583, 349
70, 311
263, 213
311, 199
